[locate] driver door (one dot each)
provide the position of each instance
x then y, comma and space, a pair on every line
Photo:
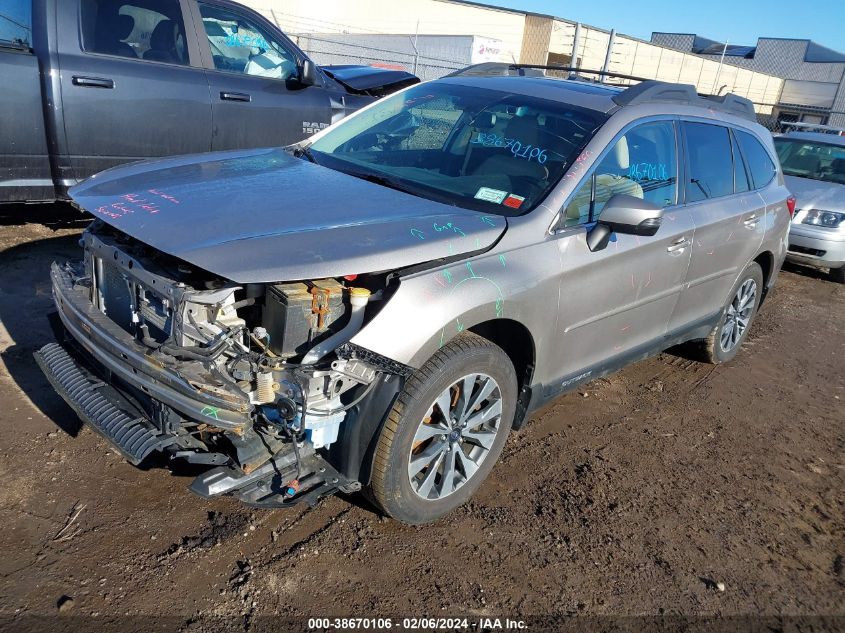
253, 70
616, 302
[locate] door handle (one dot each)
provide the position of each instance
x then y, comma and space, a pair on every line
751, 221
235, 96
93, 82
678, 245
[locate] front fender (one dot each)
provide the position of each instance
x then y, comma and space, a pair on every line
431, 307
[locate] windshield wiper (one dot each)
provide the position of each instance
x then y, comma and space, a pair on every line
299, 152
384, 181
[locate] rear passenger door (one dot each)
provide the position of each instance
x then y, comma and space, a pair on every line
729, 219
253, 73
132, 85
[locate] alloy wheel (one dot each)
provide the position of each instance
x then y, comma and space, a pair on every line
455, 436
738, 315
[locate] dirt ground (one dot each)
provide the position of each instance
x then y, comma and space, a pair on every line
669, 489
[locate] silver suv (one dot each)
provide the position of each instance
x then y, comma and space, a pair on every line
378, 307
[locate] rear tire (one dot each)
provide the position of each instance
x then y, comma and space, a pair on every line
429, 461
724, 341
837, 275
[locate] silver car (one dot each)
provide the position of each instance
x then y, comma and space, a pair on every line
378, 307
814, 170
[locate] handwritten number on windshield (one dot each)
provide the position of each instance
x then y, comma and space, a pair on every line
527, 152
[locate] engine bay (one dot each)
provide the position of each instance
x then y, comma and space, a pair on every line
273, 346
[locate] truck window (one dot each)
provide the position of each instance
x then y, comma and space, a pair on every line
238, 45
16, 23
138, 29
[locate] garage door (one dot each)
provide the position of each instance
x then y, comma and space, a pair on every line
809, 93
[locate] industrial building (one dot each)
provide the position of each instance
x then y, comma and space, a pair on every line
814, 76
786, 79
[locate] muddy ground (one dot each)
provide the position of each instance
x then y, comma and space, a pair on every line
670, 488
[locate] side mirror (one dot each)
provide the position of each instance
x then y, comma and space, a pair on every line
308, 74
625, 214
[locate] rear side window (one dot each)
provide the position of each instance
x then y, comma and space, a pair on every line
759, 163
16, 23
152, 30
710, 173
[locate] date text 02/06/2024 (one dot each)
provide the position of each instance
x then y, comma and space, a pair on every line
414, 624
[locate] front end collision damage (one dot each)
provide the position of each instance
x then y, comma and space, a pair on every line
369, 80
267, 382
162, 357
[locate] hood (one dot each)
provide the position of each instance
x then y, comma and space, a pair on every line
816, 194
370, 80
264, 216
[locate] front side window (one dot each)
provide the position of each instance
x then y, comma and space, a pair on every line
711, 172
812, 159
16, 23
238, 45
759, 163
139, 29
641, 163
490, 150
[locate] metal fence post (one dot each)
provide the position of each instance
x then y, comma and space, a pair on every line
609, 51
576, 42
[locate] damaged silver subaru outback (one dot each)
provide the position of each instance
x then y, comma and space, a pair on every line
379, 306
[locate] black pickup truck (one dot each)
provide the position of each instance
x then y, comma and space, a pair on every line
90, 84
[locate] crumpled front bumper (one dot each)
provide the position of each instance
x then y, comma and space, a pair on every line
118, 352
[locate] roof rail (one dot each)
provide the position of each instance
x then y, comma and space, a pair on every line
491, 69
651, 91
504, 70
647, 91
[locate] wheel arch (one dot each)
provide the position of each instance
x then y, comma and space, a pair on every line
515, 339
766, 261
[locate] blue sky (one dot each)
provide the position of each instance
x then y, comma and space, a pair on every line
739, 21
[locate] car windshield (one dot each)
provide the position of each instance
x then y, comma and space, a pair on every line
812, 159
480, 149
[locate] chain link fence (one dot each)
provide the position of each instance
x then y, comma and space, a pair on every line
778, 121
403, 53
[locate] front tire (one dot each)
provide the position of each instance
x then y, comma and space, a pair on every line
445, 432
727, 337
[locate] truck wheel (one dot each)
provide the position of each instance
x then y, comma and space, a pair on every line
838, 275
725, 339
445, 432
